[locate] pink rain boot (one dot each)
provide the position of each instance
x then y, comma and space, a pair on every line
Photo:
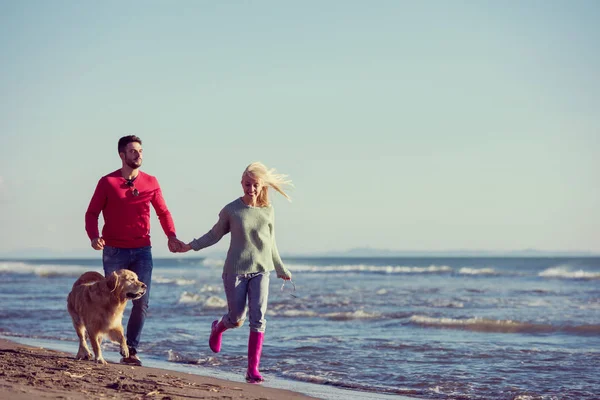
216, 332
255, 343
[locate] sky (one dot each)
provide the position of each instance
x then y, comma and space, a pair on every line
427, 126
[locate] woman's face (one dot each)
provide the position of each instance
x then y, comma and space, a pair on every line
252, 187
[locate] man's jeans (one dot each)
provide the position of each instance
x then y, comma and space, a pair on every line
139, 261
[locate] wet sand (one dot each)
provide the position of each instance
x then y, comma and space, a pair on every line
28, 372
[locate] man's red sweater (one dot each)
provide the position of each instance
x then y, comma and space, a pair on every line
127, 217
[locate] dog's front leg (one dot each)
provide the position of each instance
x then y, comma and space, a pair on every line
116, 335
96, 340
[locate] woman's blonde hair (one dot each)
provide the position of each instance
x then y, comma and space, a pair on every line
268, 178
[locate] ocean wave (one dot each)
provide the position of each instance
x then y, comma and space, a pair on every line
333, 316
565, 272
477, 271
172, 281
295, 313
211, 289
535, 291
502, 326
9, 334
280, 310
351, 315
593, 304
13, 266
443, 303
214, 302
176, 357
537, 303
206, 302
187, 298
381, 269
212, 262
324, 379
44, 270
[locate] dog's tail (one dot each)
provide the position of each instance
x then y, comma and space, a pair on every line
88, 277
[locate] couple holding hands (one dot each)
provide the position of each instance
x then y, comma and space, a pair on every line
124, 198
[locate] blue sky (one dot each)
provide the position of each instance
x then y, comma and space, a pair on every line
430, 125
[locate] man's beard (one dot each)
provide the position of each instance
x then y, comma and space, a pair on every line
134, 163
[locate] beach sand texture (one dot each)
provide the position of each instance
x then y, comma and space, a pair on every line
36, 373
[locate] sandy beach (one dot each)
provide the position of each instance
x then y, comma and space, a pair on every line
37, 373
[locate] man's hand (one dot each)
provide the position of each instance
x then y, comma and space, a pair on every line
98, 243
185, 248
175, 245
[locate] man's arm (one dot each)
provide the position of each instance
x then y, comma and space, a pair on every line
163, 213
97, 204
166, 220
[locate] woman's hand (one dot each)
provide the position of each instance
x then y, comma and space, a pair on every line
285, 277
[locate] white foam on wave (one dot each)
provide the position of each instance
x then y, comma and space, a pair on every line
481, 324
385, 269
305, 377
206, 302
593, 304
502, 326
190, 298
477, 271
176, 357
45, 270
334, 316
537, 303
565, 272
443, 303
213, 262
295, 313
14, 266
215, 302
211, 289
332, 388
172, 281
350, 315
280, 310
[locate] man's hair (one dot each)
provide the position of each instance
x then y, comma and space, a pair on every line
125, 140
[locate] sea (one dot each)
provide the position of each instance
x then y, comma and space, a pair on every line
470, 328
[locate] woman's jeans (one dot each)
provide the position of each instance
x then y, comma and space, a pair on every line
139, 261
238, 288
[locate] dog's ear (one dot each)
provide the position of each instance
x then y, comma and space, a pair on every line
112, 281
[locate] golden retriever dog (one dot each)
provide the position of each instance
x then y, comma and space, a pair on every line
96, 305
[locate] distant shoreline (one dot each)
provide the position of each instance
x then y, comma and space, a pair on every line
325, 256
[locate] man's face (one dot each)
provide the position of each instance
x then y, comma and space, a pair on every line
133, 155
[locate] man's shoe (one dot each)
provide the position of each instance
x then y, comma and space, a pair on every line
131, 360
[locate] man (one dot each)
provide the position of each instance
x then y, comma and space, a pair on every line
124, 197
